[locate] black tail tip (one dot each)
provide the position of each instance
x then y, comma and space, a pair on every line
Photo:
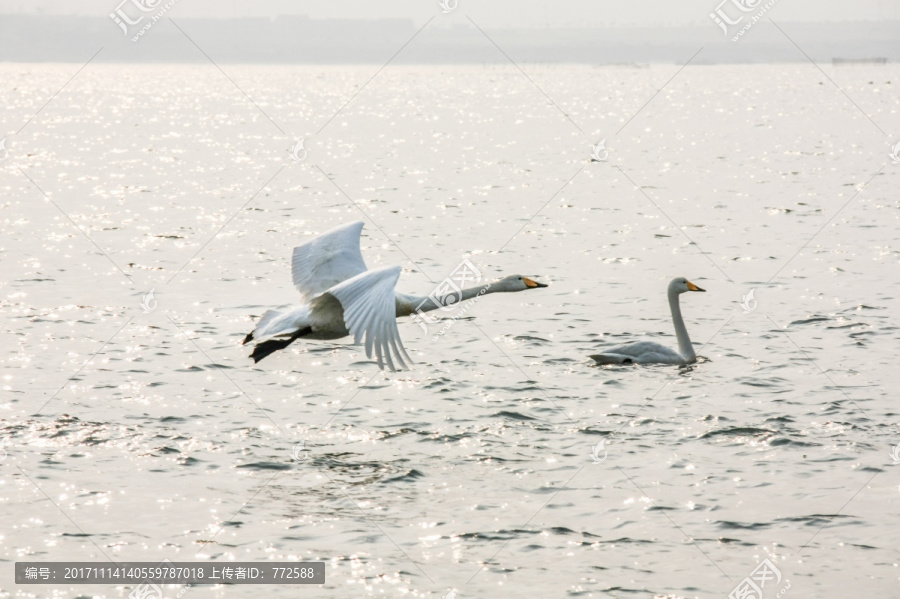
248, 338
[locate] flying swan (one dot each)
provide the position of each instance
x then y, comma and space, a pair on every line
342, 297
647, 352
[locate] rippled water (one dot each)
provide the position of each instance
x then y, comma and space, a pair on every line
143, 435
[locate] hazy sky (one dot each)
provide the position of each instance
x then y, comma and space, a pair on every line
497, 13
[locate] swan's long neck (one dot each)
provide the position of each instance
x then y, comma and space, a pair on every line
427, 304
685, 347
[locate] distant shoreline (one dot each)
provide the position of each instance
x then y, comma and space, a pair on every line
395, 64
300, 40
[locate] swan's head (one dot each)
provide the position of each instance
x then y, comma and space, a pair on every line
682, 285
515, 283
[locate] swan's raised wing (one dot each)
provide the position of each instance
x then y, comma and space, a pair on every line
327, 260
370, 310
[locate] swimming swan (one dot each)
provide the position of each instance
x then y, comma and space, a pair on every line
342, 297
647, 352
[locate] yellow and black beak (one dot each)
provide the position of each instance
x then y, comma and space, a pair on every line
532, 283
693, 287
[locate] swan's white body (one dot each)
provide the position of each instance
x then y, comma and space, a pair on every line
342, 297
648, 352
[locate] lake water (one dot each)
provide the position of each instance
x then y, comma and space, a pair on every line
143, 435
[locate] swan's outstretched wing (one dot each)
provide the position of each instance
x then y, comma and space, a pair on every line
327, 260
370, 309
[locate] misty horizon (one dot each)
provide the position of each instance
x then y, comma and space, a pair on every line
302, 39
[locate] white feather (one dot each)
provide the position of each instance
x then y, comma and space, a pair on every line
329, 259
370, 313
